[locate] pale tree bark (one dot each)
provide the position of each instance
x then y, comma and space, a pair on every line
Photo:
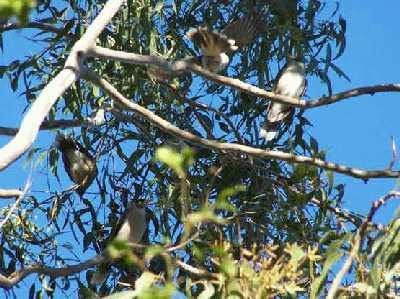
41, 106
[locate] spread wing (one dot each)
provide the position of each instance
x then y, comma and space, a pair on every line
236, 34
246, 29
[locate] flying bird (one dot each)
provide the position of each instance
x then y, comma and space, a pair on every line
215, 47
78, 163
290, 82
130, 229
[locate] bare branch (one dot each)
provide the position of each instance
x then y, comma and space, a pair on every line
16, 277
323, 101
10, 193
185, 65
172, 69
41, 106
31, 25
53, 124
358, 241
231, 147
46, 125
355, 92
5, 131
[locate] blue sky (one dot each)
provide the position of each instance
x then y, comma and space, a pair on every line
356, 132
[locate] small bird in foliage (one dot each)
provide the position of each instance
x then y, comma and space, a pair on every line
78, 163
130, 229
290, 82
216, 46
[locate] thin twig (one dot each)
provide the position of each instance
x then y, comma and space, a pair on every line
49, 125
16, 203
16, 277
358, 239
31, 25
339, 212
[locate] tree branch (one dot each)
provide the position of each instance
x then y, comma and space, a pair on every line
16, 277
185, 65
172, 69
10, 193
41, 106
31, 25
52, 124
356, 220
231, 147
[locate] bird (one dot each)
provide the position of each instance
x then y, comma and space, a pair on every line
78, 162
97, 118
130, 229
215, 47
290, 82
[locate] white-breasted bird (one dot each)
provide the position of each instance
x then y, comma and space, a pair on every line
215, 47
79, 164
290, 82
130, 229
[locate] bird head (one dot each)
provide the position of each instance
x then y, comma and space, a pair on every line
139, 203
296, 65
62, 141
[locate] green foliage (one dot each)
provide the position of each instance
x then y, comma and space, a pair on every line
18, 8
237, 226
177, 161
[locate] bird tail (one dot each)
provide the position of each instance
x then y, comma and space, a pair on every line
268, 132
276, 114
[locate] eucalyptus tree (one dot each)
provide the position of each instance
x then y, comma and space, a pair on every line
228, 213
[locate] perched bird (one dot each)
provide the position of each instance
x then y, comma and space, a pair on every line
290, 82
130, 228
216, 46
78, 163
97, 118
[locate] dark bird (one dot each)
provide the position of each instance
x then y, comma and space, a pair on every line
216, 46
130, 229
290, 82
78, 163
